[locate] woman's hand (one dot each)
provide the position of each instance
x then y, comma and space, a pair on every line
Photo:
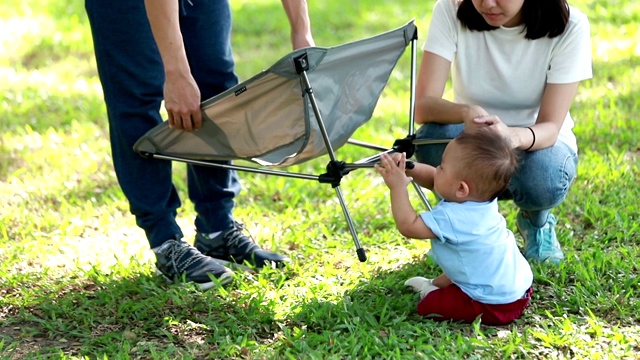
491, 120
474, 112
499, 126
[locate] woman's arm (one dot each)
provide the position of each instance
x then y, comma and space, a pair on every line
430, 106
556, 101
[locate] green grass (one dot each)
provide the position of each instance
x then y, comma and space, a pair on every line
76, 275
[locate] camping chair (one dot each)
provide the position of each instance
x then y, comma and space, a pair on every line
306, 105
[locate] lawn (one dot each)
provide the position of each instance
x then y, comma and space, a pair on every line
77, 279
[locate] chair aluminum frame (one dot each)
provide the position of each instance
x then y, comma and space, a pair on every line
335, 169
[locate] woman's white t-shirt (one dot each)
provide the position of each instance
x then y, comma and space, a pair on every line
505, 73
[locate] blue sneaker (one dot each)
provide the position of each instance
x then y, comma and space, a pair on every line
541, 244
233, 246
176, 259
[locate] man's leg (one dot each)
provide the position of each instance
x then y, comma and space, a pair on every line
132, 77
206, 28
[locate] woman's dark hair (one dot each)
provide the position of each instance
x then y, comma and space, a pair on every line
541, 18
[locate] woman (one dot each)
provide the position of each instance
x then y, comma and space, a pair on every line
515, 65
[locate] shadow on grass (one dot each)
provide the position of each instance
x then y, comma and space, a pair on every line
377, 318
141, 316
381, 311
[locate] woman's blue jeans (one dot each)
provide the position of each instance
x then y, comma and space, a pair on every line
541, 182
132, 77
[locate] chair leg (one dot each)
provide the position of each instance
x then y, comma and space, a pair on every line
423, 197
362, 256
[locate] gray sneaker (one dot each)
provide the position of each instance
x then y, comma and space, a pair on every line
176, 259
232, 245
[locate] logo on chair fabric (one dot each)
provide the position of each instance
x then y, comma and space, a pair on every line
241, 90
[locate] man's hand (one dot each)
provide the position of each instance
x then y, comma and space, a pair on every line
300, 41
182, 102
181, 94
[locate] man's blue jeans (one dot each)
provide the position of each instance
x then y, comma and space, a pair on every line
541, 182
132, 77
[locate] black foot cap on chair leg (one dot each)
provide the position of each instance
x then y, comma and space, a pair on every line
362, 256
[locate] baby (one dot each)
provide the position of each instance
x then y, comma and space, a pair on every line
484, 273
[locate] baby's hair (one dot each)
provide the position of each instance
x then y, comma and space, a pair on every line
488, 161
542, 18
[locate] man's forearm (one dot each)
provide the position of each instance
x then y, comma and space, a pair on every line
298, 14
165, 25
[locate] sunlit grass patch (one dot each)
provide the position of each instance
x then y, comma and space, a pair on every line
77, 276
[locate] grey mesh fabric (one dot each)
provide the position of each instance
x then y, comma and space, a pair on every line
269, 119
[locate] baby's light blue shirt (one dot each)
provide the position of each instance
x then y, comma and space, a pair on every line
477, 251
